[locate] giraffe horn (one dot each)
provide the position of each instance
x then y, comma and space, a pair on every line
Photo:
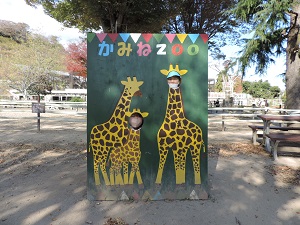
128, 79
171, 67
134, 79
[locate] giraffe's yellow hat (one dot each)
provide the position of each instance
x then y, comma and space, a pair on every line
173, 71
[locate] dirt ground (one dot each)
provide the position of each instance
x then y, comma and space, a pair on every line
43, 179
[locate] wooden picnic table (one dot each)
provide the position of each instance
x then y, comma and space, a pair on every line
268, 119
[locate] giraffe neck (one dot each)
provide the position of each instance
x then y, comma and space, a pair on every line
123, 105
175, 106
134, 137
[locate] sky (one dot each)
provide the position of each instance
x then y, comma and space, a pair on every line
18, 11
39, 22
271, 76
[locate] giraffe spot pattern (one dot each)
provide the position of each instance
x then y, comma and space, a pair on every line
118, 121
180, 131
162, 133
199, 138
173, 125
107, 137
169, 140
172, 133
188, 141
124, 140
114, 129
122, 115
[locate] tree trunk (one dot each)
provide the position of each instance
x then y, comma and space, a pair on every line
293, 62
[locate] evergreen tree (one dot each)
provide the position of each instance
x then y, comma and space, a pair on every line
113, 16
275, 24
261, 89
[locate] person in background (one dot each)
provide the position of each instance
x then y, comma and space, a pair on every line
217, 103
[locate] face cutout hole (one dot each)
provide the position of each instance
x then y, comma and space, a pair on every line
174, 81
136, 121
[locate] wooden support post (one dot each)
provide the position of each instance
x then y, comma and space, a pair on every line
223, 123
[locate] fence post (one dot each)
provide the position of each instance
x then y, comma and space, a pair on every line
223, 123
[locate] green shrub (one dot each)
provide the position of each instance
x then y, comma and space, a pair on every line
76, 99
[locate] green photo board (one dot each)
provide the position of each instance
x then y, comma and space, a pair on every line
147, 116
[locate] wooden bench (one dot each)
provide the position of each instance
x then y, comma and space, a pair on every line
255, 128
276, 138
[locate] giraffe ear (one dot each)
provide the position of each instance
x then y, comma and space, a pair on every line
128, 114
182, 72
123, 82
140, 83
144, 114
164, 72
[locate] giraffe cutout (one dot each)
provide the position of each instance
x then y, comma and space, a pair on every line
178, 134
128, 153
113, 133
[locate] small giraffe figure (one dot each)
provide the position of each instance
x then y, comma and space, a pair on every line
179, 134
113, 133
128, 153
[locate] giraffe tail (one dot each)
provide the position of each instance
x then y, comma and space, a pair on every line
90, 146
204, 150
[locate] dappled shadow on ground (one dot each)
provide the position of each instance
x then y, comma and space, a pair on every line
252, 185
37, 182
284, 174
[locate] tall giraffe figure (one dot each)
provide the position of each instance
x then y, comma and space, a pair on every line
178, 133
130, 152
113, 133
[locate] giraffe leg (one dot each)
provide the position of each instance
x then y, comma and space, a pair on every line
180, 162
125, 172
96, 174
195, 152
135, 171
119, 179
104, 173
162, 160
96, 168
139, 177
112, 175
100, 161
131, 177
